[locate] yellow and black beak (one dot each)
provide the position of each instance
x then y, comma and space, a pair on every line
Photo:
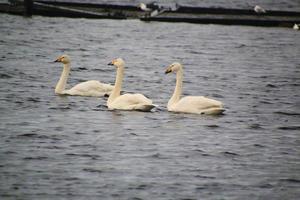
168, 70
111, 63
58, 59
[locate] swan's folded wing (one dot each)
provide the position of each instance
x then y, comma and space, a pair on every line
91, 88
130, 99
198, 102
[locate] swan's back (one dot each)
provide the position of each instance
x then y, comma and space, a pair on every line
132, 102
91, 88
195, 104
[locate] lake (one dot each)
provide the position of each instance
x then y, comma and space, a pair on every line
64, 147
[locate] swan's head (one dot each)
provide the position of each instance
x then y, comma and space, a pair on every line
65, 59
119, 62
174, 67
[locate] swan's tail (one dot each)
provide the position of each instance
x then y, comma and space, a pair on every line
213, 111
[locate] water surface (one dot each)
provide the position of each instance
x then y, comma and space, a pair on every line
54, 147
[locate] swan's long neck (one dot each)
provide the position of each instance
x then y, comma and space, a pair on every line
178, 89
61, 85
118, 85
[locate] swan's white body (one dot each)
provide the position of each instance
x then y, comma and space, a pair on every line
259, 9
89, 88
190, 104
296, 27
126, 101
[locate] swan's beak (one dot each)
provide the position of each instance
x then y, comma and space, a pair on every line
112, 62
58, 59
168, 70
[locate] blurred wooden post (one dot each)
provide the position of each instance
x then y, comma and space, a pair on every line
28, 5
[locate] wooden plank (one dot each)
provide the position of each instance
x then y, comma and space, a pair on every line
61, 11
182, 14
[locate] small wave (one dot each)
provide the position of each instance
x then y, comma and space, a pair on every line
195, 52
205, 154
5, 76
138, 187
60, 108
255, 126
205, 177
102, 106
102, 70
83, 49
94, 157
92, 170
201, 188
294, 84
136, 198
79, 133
241, 46
266, 102
287, 113
264, 76
72, 179
212, 126
199, 150
217, 95
271, 85
80, 69
228, 153
157, 155
34, 99
36, 158
258, 145
28, 135
9, 152
266, 185
289, 128
291, 180
54, 147
81, 145
38, 136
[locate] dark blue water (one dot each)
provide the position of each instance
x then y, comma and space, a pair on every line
54, 147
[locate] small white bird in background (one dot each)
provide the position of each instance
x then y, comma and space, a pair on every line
153, 8
259, 9
296, 27
143, 7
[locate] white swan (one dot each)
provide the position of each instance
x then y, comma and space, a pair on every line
190, 104
88, 88
296, 27
126, 101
